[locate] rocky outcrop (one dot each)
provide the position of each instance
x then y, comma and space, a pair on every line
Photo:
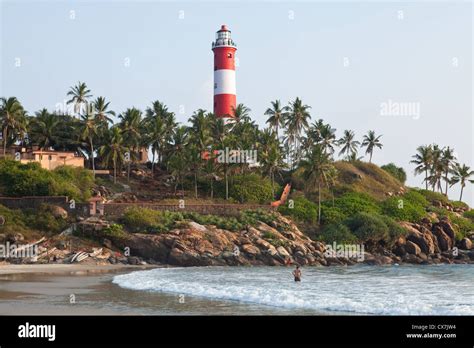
199, 245
432, 243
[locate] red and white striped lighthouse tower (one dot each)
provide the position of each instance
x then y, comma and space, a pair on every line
224, 73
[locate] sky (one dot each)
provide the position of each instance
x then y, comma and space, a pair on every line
403, 69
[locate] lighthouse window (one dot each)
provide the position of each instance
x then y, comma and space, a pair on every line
215, 85
229, 55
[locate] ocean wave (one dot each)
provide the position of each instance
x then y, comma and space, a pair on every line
366, 292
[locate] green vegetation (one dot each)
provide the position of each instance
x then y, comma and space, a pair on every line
31, 221
397, 172
469, 214
251, 188
301, 210
367, 227
144, 220
338, 233
403, 210
30, 179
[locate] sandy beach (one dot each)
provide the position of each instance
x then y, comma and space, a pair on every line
58, 289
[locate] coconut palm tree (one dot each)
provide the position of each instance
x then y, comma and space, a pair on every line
80, 95
11, 114
131, 126
240, 112
88, 132
327, 138
276, 116
296, 123
447, 161
270, 155
318, 170
44, 129
423, 160
436, 169
461, 174
371, 141
113, 150
349, 145
101, 111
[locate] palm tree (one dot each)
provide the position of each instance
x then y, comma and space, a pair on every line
296, 122
423, 160
349, 145
371, 141
80, 95
327, 138
44, 129
101, 111
11, 114
131, 126
199, 140
461, 175
447, 160
88, 131
113, 149
277, 115
270, 155
318, 170
240, 112
436, 169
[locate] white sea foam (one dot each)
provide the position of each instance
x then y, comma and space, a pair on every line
404, 290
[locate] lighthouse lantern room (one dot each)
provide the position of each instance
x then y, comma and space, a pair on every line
224, 73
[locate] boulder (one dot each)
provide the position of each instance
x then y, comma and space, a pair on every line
444, 242
412, 248
445, 224
250, 249
282, 252
58, 212
197, 227
465, 244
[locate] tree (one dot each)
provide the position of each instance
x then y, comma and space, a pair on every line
295, 123
371, 141
88, 132
276, 116
101, 112
11, 115
270, 156
461, 174
44, 129
318, 170
113, 149
131, 127
199, 141
349, 145
436, 168
447, 162
423, 160
80, 95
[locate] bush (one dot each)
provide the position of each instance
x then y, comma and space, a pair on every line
138, 219
338, 233
114, 230
397, 172
469, 214
30, 179
433, 196
251, 188
395, 231
403, 210
416, 198
331, 215
459, 204
303, 210
43, 219
354, 202
367, 227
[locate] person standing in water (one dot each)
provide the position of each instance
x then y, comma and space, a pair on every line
297, 274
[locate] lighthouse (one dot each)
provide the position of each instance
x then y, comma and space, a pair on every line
224, 73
